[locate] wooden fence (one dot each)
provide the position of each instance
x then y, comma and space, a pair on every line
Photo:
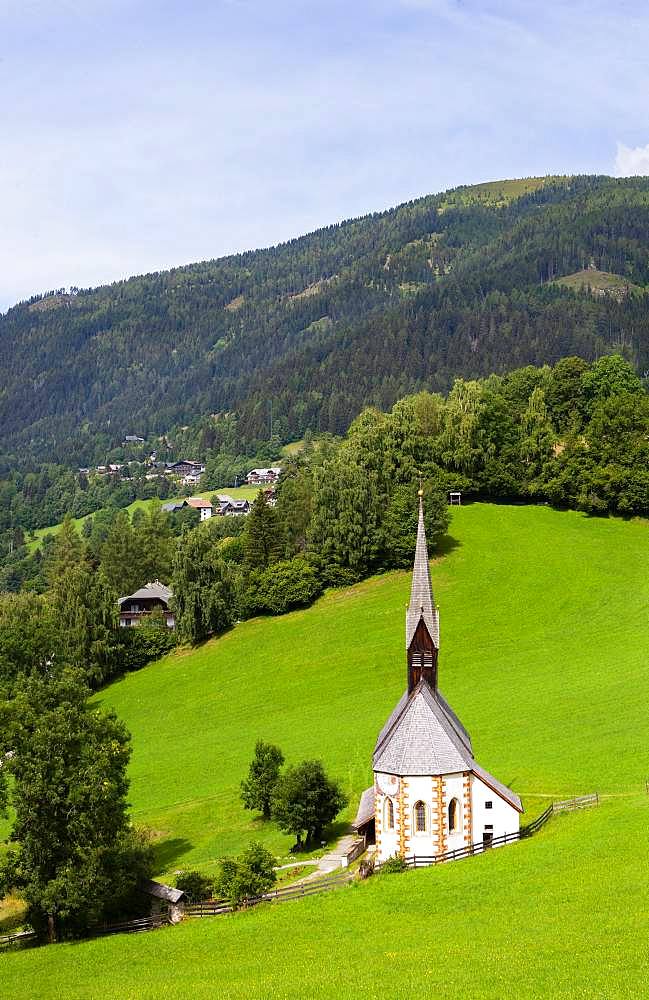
20, 938
214, 907
150, 923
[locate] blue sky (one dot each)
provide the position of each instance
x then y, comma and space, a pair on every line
137, 135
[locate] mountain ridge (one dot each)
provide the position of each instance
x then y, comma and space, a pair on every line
360, 312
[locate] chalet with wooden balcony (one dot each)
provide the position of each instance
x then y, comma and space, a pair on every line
135, 608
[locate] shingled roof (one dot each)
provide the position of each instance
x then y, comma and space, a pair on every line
422, 739
150, 592
421, 592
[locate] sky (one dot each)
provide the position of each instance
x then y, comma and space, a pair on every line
137, 135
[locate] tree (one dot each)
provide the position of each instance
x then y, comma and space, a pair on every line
252, 873
537, 433
292, 583
79, 860
306, 801
264, 535
257, 789
121, 557
402, 515
204, 595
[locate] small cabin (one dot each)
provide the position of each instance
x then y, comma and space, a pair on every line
165, 901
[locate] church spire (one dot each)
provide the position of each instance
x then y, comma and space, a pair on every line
422, 617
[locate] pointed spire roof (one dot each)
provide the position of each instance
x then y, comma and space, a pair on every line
422, 603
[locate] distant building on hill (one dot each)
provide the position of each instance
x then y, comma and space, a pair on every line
228, 507
133, 439
256, 476
203, 506
429, 795
134, 608
185, 467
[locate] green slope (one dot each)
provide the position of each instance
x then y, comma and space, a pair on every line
545, 643
563, 915
237, 492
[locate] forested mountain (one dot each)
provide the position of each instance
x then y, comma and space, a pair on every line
461, 283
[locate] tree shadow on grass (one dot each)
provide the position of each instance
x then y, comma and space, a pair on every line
445, 546
167, 851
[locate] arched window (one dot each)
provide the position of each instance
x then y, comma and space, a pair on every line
420, 817
389, 814
454, 816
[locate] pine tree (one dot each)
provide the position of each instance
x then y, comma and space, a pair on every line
264, 537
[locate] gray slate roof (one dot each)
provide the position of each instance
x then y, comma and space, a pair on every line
150, 592
161, 891
506, 793
365, 809
421, 592
422, 740
424, 736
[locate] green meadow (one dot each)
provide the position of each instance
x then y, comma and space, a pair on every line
544, 655
563, 915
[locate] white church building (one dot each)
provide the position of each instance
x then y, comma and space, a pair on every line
429, 795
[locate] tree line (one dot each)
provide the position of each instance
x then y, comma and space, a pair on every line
574, 435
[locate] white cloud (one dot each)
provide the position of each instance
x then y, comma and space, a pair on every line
631, 162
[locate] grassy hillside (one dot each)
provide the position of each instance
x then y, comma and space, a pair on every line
598, 283
545, 643
563, 916
238, 492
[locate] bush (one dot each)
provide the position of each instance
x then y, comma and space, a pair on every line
143, 644
292, 583
249, 875
392, 866
197, 886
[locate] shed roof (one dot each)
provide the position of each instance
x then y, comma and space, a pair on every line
365, 809
162, 891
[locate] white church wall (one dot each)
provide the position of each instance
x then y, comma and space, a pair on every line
454, 789
498, 818
422, 789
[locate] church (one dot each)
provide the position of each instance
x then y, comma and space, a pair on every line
429, 795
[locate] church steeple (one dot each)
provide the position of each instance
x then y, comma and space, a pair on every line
422, 617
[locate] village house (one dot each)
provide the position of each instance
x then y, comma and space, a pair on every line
429, 794
228, 507
184, 468
204, 507
257, 476
134, 608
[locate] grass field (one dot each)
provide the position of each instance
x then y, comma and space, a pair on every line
598, 282
545, 645
563, 915
545, 652
238, 492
